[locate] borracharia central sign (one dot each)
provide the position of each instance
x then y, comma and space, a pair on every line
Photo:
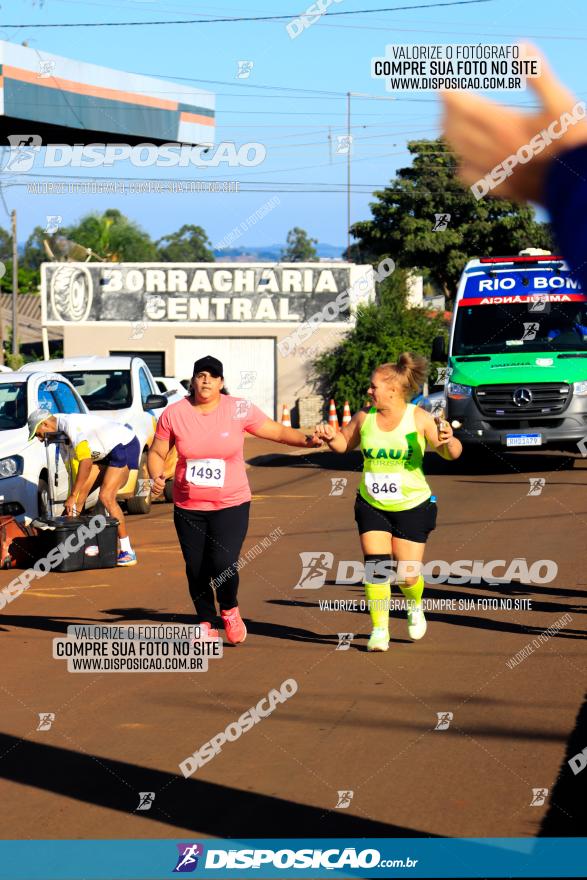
196, 292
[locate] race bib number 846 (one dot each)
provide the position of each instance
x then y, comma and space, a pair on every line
384, 487
206, 472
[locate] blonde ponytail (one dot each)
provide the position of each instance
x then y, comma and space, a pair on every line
411, 370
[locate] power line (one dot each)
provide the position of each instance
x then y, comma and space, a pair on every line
248, 85
319, 92
275, 188
37, 176
241, 19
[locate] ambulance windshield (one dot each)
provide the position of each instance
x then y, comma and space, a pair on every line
505, 328
505, 308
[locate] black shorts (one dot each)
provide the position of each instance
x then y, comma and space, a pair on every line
411, 525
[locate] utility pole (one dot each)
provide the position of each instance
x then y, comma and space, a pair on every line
349, 142
348, 176
14, 284
1, 329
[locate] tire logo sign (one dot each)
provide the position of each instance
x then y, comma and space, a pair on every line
71, 293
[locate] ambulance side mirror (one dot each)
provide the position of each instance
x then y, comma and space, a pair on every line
438, 349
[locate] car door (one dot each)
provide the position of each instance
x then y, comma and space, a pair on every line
58, 454
146, 387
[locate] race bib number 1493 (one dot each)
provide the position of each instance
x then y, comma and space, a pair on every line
384, 487
205, 472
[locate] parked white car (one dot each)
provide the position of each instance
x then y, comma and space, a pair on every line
31, 472
435, 402
123, 389
172, 387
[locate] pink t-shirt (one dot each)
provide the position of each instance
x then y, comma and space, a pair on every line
210, 472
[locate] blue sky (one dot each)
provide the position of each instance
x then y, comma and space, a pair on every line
288, 115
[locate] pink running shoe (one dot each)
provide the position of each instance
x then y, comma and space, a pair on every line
207, 633
236, 630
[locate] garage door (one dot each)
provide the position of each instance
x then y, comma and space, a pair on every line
155, 360
249, 365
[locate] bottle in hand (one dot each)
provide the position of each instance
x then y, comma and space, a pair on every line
440, 418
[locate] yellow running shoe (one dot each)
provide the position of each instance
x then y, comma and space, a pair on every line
416, 622
379, 639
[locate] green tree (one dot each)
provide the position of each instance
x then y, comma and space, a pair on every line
5, 246
28, 279
34, 251
188, 245
113, 236
300, 248
383, 330
404, 217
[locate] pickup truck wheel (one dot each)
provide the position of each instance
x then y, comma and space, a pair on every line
168, 491
140, 504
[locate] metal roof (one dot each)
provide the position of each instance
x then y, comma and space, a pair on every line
29, 317
64, 101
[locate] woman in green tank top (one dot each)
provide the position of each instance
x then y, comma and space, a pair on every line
394, 509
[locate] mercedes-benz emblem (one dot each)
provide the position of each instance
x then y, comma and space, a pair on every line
522, 397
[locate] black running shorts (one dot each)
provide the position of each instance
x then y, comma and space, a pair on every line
411, 525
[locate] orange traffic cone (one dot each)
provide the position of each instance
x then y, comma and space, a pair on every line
346, 415
332, 417
285, 419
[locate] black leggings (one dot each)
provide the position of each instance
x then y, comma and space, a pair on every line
211, 542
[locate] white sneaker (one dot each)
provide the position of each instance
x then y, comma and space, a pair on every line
416, 622
379, 639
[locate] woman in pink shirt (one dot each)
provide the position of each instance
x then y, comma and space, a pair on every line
211, 493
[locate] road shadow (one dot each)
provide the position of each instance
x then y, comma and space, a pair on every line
481, 461
123, 616
202, 807
460, 616
464, 616
473, 462
60, 622
511, 589
566, 811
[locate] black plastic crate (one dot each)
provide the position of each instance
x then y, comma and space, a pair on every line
99, 551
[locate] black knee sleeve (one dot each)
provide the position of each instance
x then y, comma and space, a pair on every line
378, 568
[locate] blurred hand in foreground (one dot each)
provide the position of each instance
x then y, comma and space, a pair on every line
484, 133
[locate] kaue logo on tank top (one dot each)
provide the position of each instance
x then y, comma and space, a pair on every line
389, 454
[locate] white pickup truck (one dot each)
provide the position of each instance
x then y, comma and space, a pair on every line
35, 475
120, 388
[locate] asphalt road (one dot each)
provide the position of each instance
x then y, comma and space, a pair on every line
361, 723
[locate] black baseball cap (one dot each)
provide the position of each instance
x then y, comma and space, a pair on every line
210, 365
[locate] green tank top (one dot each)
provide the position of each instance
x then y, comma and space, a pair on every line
393, 477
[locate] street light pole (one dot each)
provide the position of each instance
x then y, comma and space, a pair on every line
14, 284
348, 177
348, 164
1, 330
